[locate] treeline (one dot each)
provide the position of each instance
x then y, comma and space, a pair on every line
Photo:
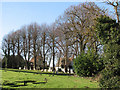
72, 33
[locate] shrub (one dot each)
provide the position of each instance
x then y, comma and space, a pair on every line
108, 80
88, 64
13, 62
108, 32
111, 73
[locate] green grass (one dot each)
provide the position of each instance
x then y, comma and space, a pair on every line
56, 81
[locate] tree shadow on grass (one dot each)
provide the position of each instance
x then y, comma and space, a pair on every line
39, 82
13, 84
61, 74
21, 83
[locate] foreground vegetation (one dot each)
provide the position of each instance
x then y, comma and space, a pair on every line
12, 79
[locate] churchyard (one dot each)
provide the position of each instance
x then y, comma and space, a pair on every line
14, 78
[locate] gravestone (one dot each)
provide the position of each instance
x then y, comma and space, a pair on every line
71, 71
33, 68
19, 68
45, 70
24, 68
30, 68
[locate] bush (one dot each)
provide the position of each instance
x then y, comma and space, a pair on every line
88, 64
108, 32
111, 73
13, 62
108, 80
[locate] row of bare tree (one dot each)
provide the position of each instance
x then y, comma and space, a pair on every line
72, 33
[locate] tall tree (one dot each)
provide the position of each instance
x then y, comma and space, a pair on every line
6, 47
35, 32
109, 34
44, 39
44, 43
13, 48
78, 22
18, 45
24, 42
18, 42
52, 35
29, 43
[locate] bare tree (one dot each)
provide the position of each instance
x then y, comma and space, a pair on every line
78, 22
18, 42
35, 32
6, 47
18, 46
62, 43
52, 37
13, 48
115, 4
44, 43
44, 39
24, 44
29, 43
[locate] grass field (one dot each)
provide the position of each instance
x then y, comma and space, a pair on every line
32, 79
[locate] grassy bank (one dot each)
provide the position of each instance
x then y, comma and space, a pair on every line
31, 79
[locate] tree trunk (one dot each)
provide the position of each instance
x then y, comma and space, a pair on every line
53, 54
66, 56
44, 50
116, 13
35, 57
